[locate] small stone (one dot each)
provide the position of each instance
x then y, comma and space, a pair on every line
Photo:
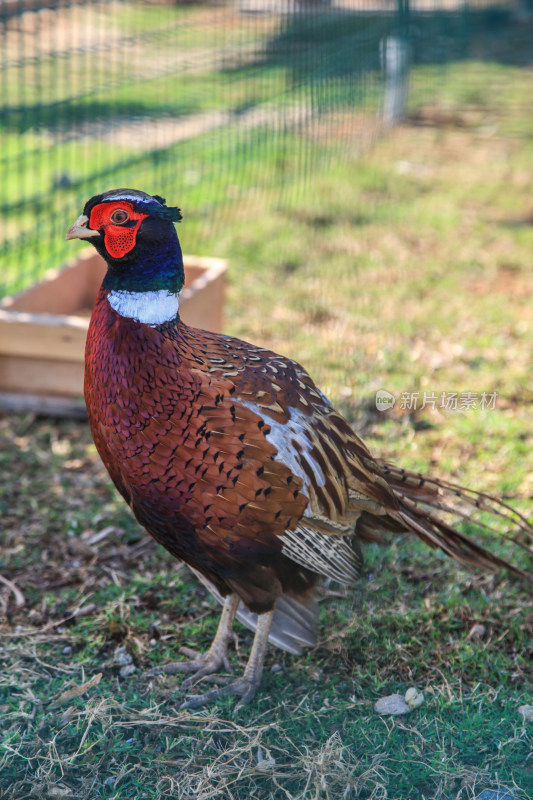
526, 712
264, 764
67, 650
496, 794
122, 657
393, 704
267, 765
315, 673
59, 791
477, 632
127, 670
414, 698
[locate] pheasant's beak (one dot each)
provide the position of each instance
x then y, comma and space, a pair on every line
80, 230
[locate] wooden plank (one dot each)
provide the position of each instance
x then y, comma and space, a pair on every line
201, 305
43, 335
41, 376
47, 405
62, 291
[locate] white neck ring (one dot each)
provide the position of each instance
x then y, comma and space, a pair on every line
152, 308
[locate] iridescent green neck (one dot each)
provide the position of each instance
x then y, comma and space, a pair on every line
150, 269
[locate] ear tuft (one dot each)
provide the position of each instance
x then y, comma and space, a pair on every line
158, 208
172, 213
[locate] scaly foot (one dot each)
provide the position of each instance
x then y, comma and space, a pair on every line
203, 664
246, 686
243, 687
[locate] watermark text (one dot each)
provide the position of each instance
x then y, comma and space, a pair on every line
444, 401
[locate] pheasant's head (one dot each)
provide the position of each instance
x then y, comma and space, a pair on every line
135, 234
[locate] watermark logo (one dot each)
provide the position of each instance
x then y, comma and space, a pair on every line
384, 400
447, 401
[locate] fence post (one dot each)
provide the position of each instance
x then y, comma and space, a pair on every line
395, 57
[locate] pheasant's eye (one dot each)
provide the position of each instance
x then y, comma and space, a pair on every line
119, 216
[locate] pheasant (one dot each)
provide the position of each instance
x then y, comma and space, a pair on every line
231, 457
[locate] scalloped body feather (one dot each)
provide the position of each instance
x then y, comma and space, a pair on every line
211, 475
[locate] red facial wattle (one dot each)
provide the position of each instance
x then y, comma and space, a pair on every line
119, 237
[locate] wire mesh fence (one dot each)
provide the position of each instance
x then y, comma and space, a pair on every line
201, 103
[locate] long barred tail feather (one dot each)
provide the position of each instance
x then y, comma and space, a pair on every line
414, 483
423, 499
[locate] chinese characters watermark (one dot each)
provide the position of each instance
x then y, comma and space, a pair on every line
446, 401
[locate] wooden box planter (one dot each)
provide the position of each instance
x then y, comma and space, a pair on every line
43, 330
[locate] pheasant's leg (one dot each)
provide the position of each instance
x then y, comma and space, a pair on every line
217, 655
246, 686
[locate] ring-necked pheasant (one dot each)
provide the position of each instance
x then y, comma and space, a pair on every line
230, 456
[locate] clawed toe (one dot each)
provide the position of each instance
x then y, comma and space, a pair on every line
216, 657
200, 666
203, 666
243, 687
208, 668
169, 669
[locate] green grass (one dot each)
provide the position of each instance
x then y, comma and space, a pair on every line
405, 624
408, 269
